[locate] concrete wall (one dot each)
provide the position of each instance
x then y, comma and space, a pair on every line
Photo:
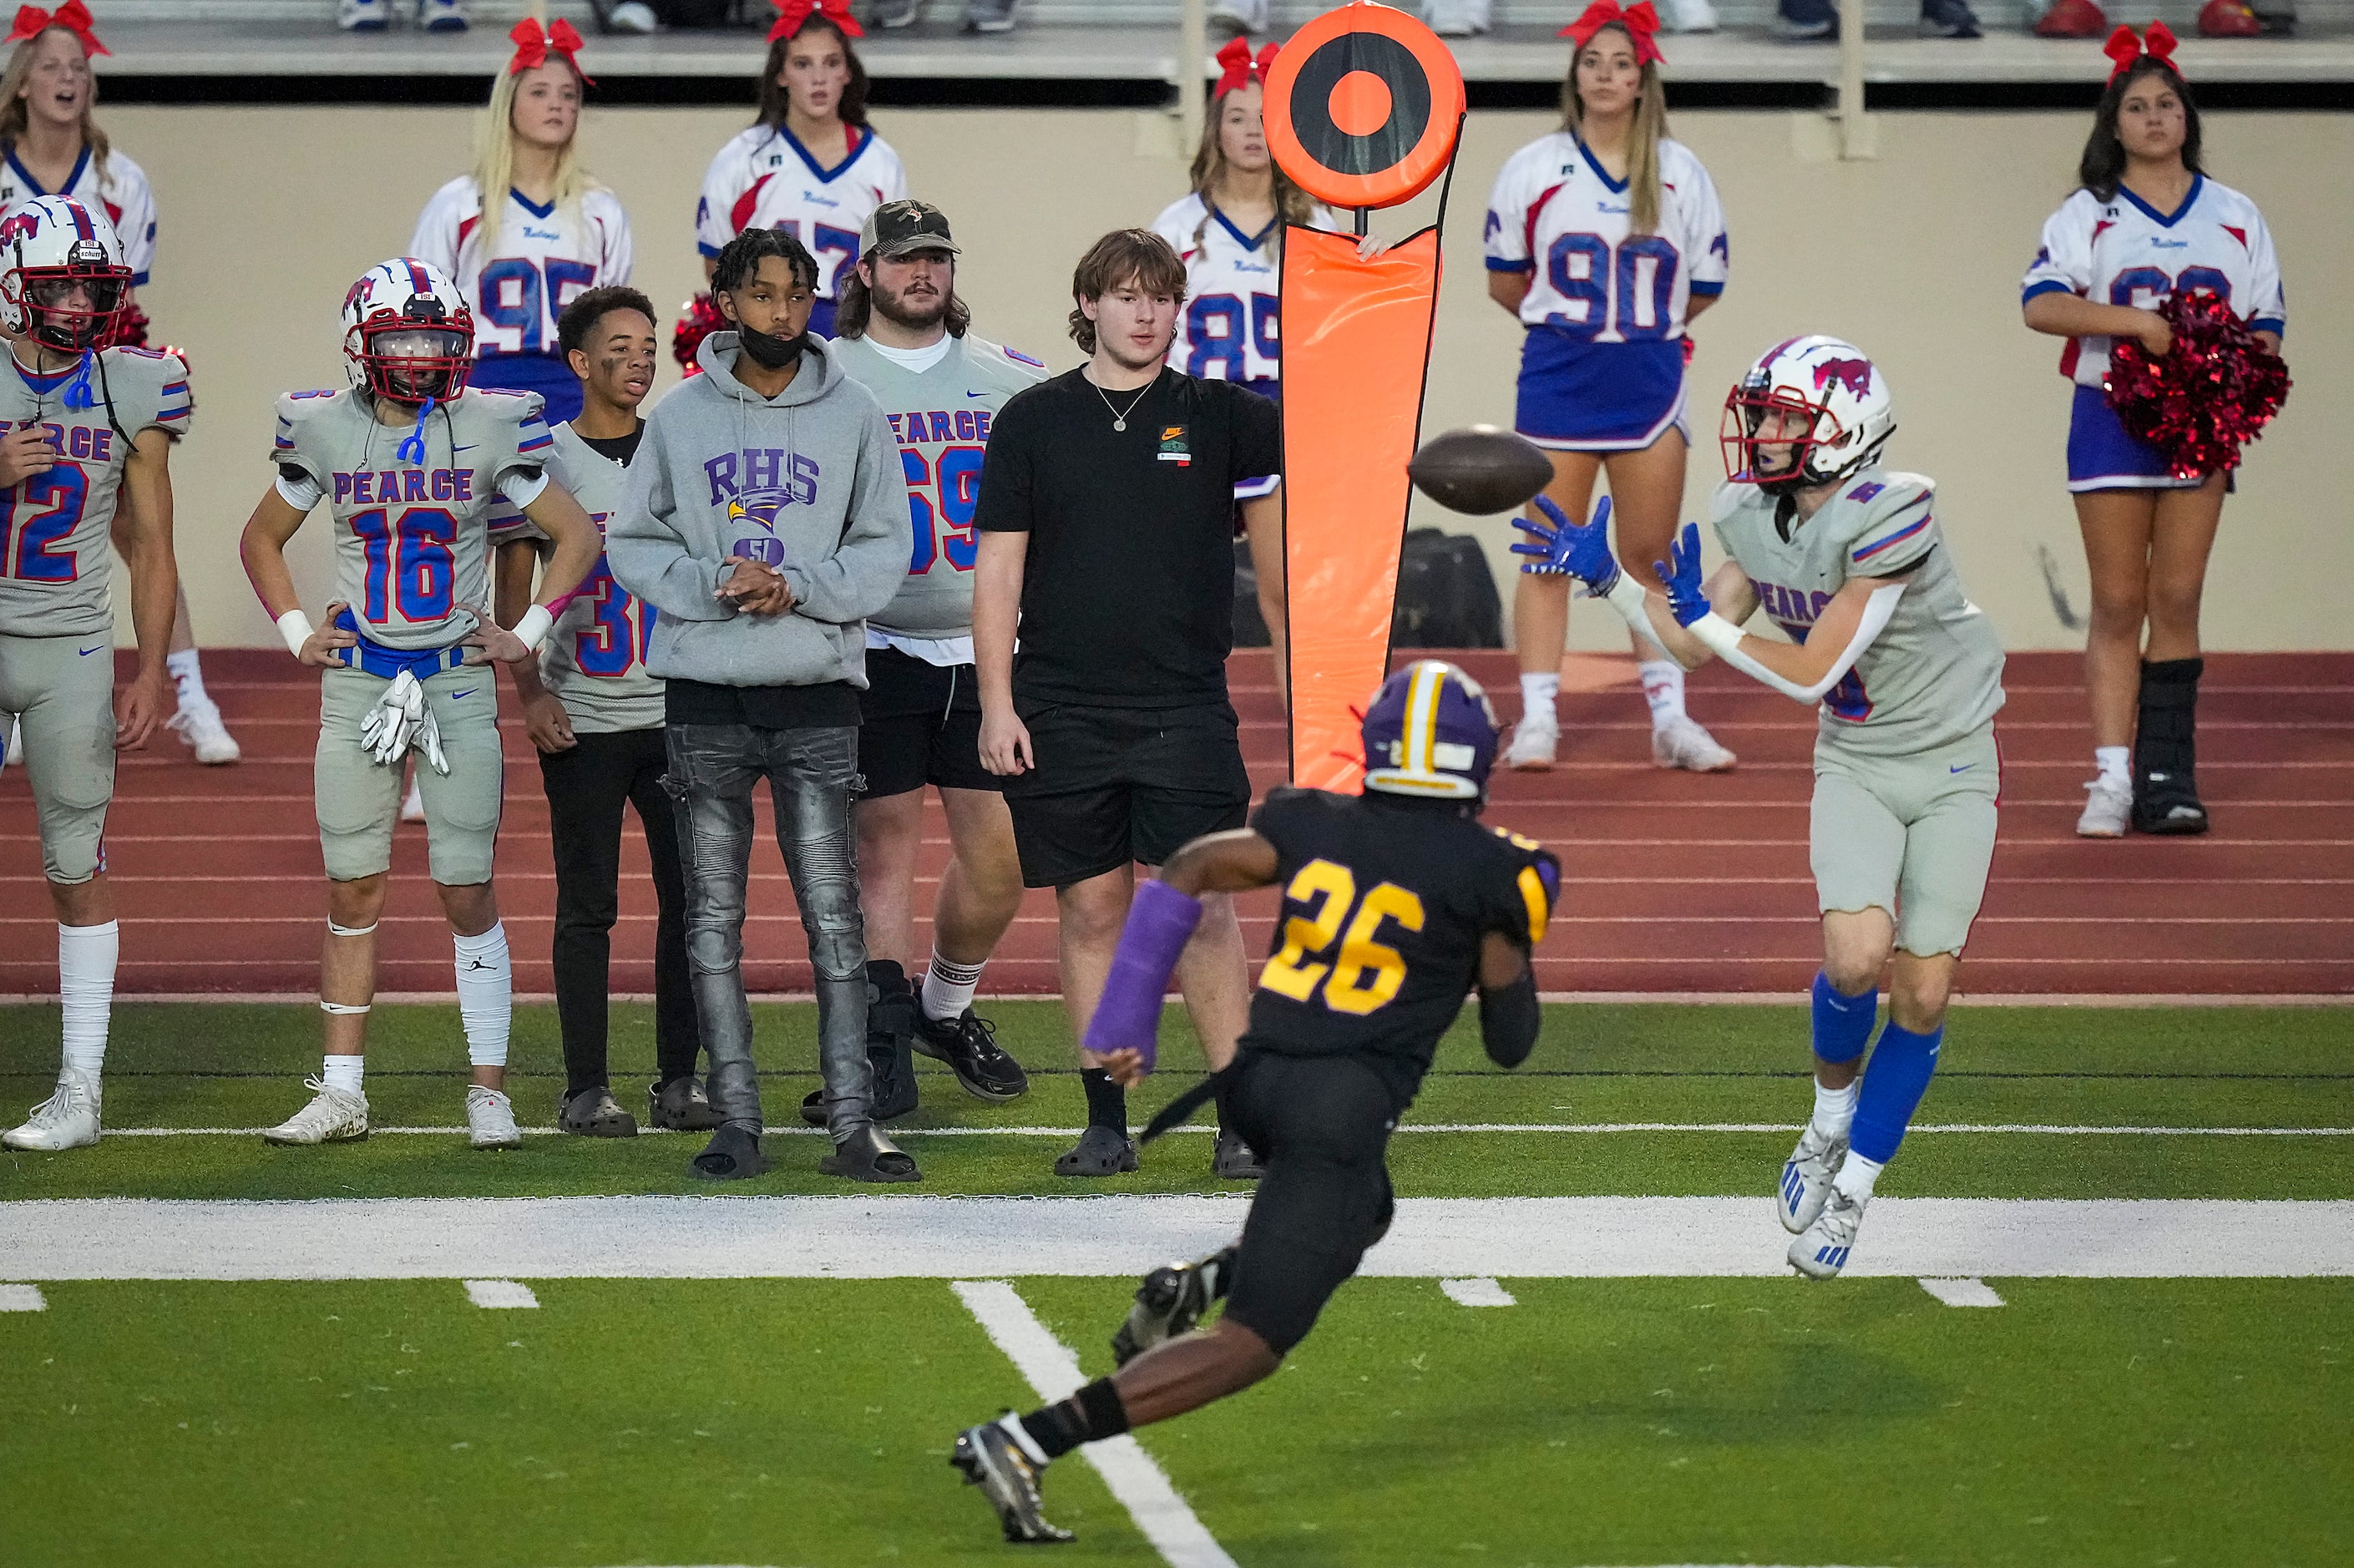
267, 214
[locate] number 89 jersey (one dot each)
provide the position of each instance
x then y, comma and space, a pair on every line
412, 538
1386, 901
1557, 216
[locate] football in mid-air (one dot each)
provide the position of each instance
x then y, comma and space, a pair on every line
1480, 470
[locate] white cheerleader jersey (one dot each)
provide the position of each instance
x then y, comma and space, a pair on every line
1230, 328
1557, 216
546, 258
764, 178
120, 186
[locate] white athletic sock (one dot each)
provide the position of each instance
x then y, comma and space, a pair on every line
1537, 692
949, 988
2115, 764
188, 672
485, 995
1856, 1176
86, 956
1021, 1438
1663, 688
345, 1072
1835, 1108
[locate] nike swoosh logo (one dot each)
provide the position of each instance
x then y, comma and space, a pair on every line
1965, 767
465, 449
976, 394
86, 653
467, 693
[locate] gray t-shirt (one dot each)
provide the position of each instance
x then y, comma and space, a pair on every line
1935, 673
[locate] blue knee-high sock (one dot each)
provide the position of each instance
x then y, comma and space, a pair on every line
1842, 1023
1893, 1083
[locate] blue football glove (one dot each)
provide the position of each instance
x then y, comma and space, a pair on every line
1566, 549
1686, 598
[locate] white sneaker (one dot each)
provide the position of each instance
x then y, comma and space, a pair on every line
631, 16
332, 1117
1822, 1251
1807, 1178
363, 15
66, 1120
1692, 16
489, 1119
412, 805
1457, 18
1535, 740
1681, 743
2108, 811
198, 725
441, 15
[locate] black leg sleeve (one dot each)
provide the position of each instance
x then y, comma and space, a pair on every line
1508, 1020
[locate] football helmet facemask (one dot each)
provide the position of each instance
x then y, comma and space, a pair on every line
63, 281
1811, 412
407, 334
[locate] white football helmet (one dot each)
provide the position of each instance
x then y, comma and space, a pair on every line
407, 334
1836, 415
62, 276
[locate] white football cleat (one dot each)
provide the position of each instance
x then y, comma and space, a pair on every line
332, 1116
2108, 811
412, 805
66, 1120
1681, 743
198, 725
1807, 1178
489, 1119
1822, 1251
1535, 740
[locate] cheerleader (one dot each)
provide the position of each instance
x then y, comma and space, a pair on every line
555, 234
810, 165
2144, 222
1603, 238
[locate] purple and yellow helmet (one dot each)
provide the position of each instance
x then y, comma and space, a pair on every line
1430, 732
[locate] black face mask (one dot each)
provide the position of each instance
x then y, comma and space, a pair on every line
768, 351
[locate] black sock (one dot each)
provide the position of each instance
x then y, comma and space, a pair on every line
1107, 1101
1089, 1415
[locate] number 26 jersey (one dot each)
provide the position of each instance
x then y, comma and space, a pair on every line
1386, 901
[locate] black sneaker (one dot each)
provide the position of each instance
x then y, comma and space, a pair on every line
1232, 1159
1171, 1301
593, 1113
679, 1105
985, 1069
1801, 21
1948, 19
992, 1460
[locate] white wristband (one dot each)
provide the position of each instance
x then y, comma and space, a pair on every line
1721, 636
1627, 597
296, 628
532, 626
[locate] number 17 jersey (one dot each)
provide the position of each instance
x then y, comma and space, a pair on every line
1386, 902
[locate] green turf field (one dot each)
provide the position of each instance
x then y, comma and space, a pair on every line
1637, 1421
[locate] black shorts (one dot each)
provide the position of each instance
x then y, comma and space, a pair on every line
1117, 785
1321, 1124
919, 723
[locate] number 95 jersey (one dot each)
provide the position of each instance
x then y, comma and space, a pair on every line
412, 538
1386, 901
53, 562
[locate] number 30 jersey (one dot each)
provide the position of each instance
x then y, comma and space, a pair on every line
412, 538
55, 569
1386, 901
1557, 216
1935, 673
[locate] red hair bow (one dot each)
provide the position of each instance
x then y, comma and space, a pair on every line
533, 46
2157, 43
794, 14
1642, 24
73, 16
1236, 68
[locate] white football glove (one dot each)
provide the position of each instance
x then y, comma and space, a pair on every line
400, 723
428, 741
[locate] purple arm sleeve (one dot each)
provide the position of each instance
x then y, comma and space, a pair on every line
1159, 923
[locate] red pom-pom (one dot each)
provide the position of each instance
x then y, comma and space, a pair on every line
2211, 392
129, 329
698, 319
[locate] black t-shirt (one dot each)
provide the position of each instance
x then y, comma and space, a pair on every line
615, 448
1128, 591
1385, 903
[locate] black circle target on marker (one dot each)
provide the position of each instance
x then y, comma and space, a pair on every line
1363, 106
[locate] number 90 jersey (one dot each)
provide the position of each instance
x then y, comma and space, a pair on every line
412, 539
1386, 901
1557, 216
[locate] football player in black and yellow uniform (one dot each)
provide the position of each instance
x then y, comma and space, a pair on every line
1397, 902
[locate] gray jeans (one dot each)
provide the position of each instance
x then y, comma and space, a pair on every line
812, 774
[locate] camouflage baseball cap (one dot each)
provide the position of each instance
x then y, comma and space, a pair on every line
897, 227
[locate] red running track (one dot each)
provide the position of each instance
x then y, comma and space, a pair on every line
1676, 883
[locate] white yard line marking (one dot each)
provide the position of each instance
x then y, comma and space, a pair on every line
22, 1298
499, 1295
2022, 1128
921, 1237
1480, 1292
1053, 1372
1962, 1292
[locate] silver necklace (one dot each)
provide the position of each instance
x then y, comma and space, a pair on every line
1120, 416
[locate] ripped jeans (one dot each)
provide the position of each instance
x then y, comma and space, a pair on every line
812, 775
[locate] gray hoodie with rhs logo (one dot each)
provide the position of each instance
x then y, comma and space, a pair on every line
809, 481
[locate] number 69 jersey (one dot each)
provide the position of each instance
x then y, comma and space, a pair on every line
1556, 215
412, 537
1935, 673
1386, 901
54, 563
